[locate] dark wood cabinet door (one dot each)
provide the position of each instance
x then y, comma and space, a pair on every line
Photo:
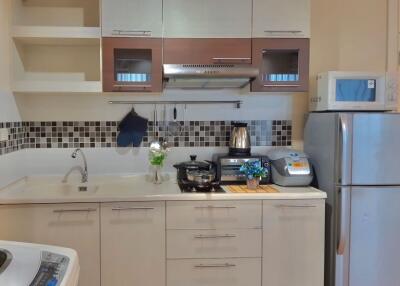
283, 65
207, 51
132, 64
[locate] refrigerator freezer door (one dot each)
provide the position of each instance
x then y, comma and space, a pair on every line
375, 236
376, 149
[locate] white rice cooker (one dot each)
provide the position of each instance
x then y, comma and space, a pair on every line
290, 168
23, 264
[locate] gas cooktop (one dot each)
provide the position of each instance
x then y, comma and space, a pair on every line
188, 187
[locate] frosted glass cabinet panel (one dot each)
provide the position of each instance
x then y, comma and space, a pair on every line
207, 18
281, 18
131, 18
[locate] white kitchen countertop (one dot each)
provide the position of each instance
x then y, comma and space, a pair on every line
50, 189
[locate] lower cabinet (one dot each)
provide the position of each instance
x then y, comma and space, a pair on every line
215, 272
204, 243
293, 243
133, 244
69, 225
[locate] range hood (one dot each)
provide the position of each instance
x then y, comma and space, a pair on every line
216, 76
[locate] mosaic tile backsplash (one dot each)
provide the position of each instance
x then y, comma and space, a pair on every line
95, 134
16, 137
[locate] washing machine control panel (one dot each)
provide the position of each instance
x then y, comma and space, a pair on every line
52, 269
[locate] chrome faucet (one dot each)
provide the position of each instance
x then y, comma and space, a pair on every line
84, 171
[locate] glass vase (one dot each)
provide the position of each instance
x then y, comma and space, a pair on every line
253, 184
156, 176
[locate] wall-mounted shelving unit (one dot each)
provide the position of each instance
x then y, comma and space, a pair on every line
56, 46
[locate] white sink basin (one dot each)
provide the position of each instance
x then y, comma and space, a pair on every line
81, 188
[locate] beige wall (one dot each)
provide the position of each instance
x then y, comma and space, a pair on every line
8, 108
4, 45
347, 35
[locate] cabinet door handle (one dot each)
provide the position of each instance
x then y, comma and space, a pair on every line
222, 265
201, 236
295, 206
283, 31
74, 210
142, 33
216, 207
344, 221
132, 209
281, 85
132, 85
232, 60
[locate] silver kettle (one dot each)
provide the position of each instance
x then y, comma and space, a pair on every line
239, 143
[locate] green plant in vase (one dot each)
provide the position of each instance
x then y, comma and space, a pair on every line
156, 159
254, 172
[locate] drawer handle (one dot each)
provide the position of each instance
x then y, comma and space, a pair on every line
283, 31
216, 207
132, 32
295, 206
229, 60
74, 210
222, 265
132, 209
200, 236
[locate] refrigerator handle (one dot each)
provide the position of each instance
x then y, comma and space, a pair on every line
344, 153
344, 221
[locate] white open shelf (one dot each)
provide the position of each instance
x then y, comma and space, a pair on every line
64, 13
56, 35
56, 46
57, 86
56, 65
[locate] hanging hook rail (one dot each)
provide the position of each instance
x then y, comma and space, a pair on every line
238, 103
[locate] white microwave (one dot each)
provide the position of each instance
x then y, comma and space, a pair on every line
352, 91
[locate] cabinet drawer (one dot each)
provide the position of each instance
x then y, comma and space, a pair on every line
207, 51
214, 215
213, 243
214, 272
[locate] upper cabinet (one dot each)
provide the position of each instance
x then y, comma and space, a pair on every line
283, 64
281, 18
207, 18
132, 64
132, 18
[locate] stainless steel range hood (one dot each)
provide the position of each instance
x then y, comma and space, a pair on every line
217, 76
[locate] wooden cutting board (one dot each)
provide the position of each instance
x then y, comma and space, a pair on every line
244, 189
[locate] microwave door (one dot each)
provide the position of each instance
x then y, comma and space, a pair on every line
375, 152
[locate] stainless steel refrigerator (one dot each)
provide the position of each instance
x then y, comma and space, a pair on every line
356, 157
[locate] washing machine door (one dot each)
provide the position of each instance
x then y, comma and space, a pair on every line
5, 259
19, 265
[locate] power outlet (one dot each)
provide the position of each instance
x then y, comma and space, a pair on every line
4, 134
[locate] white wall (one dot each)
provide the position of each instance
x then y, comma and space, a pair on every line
95, 107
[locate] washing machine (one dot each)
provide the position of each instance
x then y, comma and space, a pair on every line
24, 264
